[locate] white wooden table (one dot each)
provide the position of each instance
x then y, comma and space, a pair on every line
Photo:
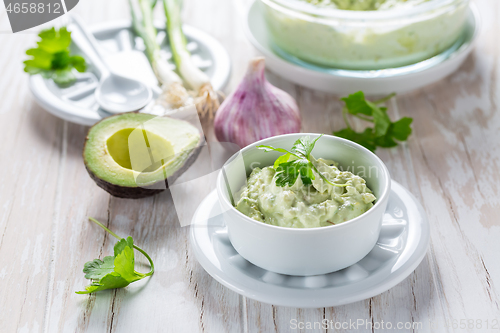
451, 164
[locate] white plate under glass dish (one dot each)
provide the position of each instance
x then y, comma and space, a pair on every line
372, 82
401, 247
77, 104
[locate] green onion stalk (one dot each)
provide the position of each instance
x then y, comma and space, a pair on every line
207, 101
174, 93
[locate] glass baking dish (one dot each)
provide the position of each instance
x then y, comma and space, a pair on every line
364, 40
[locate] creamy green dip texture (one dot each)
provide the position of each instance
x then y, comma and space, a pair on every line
305, 206
365, 4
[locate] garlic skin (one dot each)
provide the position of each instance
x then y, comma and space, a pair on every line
256, 110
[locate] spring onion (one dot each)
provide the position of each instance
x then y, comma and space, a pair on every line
174, 92
207, 101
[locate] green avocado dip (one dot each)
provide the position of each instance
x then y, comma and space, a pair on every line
318, 204
365, 4
371, 36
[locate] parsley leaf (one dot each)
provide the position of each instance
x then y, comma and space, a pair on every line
381, 120
365, 138
282, 159
114, 271
288, 172
97, 269
384, 131
296, 163
270, 148
52, 58
401, 129
304, 146
356, 103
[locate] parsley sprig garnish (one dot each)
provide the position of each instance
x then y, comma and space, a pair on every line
296, 163
384, 131
52, 58
114, 271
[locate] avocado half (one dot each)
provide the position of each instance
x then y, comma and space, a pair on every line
132, 155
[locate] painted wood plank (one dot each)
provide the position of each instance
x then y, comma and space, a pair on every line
31, 157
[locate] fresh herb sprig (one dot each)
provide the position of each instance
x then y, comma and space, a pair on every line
384, 131
52, 57
296, 163
114, 271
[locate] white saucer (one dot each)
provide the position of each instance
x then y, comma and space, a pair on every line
116, 38
401, 247
373, 82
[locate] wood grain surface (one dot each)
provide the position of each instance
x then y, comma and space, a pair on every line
451, 164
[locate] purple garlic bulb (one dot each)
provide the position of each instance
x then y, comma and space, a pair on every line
256, 110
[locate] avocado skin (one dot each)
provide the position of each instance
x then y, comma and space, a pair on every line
122, 191
143, 192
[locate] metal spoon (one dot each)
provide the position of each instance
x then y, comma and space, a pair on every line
115, 93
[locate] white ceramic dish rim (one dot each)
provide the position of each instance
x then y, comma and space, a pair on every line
79, 115
216, 48
385, 193
299, 298
398, 13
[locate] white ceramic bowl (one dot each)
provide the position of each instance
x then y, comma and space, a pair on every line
364, 40
304, 251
